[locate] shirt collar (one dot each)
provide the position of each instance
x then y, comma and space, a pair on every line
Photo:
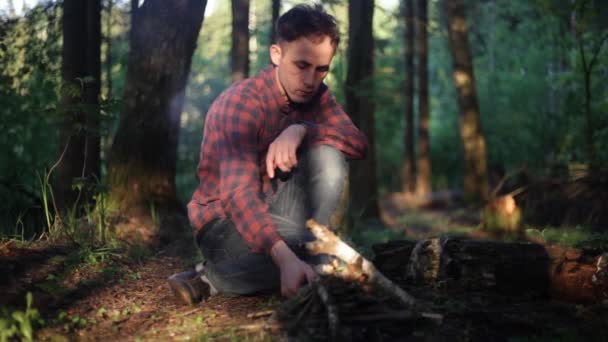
282, 102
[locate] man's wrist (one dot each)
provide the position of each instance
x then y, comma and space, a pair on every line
281, 253
302, 129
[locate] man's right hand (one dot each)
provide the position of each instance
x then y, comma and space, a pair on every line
294, 272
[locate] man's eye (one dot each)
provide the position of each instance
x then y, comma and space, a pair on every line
301, 66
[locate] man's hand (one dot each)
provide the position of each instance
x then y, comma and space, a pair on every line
294, 272
282, 151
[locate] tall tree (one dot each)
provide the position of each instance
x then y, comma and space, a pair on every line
239, 55
409, 165
586, 14
276, 9
423, 161
108, 36
475, 163
143, 156
80, 72
134, 8
360, 105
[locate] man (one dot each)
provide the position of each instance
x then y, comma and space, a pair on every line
273, 155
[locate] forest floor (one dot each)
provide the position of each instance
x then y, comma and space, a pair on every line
86, 293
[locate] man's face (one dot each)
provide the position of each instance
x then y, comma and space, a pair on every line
302, 65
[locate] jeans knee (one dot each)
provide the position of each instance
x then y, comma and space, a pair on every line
329, 166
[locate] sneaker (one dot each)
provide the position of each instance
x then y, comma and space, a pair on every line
188, 287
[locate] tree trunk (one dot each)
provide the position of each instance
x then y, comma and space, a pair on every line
134, 8
587, 66
92, 89
108, 60
475, 164
80, 70
143, 156
360, 105
239, 54
276, 9
423, 162
409, 166
523, 269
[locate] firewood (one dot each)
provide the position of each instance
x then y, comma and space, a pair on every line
332, 312
358, 267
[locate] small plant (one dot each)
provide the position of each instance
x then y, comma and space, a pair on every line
20, 324
48, 199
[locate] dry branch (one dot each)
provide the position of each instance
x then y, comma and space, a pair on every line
359, 268
332, 311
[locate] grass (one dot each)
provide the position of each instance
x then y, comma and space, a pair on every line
576, 236
19, 324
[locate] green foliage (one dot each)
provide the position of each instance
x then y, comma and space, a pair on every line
19, 324
29, 83
528, 70
577, 236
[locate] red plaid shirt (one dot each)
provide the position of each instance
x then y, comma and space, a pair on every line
239, 127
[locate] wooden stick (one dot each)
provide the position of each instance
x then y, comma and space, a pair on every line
332, 310
328, 243
260, 314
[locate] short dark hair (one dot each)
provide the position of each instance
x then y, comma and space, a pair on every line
306, 21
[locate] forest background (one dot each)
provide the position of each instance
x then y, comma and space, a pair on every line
539, 68
488, 119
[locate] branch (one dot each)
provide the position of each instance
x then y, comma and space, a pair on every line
332, 311
358, 267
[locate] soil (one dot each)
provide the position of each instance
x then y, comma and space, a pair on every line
109, 296
86, 293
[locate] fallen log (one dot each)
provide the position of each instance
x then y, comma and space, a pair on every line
529, 269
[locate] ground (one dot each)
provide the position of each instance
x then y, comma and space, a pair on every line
91, 293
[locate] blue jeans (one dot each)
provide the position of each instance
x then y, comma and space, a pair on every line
312, 190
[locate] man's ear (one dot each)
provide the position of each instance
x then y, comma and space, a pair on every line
275, 54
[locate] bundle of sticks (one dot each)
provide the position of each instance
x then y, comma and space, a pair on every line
350, 299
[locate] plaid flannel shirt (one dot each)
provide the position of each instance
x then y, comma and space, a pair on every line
239, 127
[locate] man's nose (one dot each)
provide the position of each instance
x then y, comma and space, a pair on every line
309, 79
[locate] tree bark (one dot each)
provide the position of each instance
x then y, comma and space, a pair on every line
475, 164
423, 162
134, 8
521, 269
80, 71
276, 9
239, 55
143, 156
92, 89
409, 165
108, 64
360, 105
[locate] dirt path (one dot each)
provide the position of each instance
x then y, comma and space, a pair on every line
105, 294
110, 297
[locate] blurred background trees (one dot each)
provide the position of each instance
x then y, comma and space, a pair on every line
538, 76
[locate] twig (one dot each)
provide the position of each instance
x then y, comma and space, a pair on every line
260, 314
332, 311
258, 327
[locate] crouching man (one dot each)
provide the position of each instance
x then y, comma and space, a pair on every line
273, 155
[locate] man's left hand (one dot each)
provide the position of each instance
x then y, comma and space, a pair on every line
282, 151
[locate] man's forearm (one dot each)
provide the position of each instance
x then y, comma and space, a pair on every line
281, 254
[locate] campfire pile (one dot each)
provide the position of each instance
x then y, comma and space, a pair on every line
350, 300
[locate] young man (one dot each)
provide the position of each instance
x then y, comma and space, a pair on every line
273, 155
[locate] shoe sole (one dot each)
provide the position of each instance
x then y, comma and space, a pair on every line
183, 291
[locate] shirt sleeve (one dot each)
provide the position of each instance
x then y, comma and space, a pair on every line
236, 125
333, 127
